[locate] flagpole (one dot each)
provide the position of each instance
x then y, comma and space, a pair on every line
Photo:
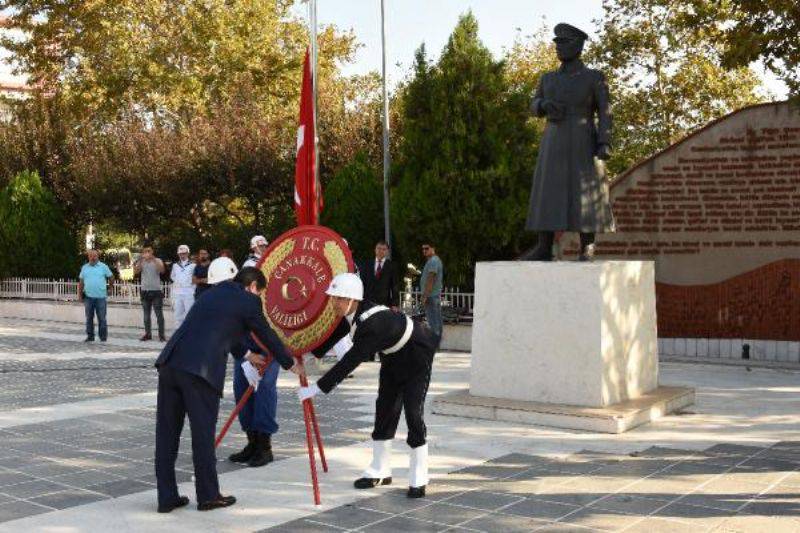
386, 155
312, 6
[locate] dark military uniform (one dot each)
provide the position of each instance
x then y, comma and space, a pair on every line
406, 350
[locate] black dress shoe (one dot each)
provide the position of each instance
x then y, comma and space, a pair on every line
371, 482
220, 502
416, 492
182, 500
88, 339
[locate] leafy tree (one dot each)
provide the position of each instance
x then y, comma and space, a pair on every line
35, 241
465, 158
177, 120
665, 73
355, 199
766, 30
164, 58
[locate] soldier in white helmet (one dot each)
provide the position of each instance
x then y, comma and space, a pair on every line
406, 350
259, 415
258, 246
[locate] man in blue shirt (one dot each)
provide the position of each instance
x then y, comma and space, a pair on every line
95, 278
431, 286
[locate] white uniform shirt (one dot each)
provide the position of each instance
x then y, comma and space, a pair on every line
181, 276
252, 260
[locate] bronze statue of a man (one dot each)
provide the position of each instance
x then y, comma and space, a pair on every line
568, 192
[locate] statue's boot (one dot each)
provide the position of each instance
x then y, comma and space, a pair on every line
587, 247
543, 251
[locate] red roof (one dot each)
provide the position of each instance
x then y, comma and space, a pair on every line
15, 87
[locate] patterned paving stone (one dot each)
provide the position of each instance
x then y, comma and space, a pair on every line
656, 490
497, 523
68, 498
20, 509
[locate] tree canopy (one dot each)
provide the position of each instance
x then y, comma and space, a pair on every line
665, 72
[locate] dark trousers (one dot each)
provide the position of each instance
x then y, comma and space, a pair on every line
179, 394
261, 410
98, 306
153, 300
403, 385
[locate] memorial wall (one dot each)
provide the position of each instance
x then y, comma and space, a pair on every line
719, 213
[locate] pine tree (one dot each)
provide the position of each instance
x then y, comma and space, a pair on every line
34, 238
465, 160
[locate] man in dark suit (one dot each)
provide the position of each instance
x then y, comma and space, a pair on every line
191, 377
380, 278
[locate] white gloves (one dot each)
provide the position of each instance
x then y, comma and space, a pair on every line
251, 373
342, 347
305, 393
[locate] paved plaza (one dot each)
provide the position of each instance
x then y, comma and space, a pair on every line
77, 419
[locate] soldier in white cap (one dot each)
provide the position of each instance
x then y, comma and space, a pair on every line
406, 350
182, 291
258, 246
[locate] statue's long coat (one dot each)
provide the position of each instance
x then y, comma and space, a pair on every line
568, 192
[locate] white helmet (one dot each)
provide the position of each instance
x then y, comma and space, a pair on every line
183, 249
346, 285
258, 239
221, 269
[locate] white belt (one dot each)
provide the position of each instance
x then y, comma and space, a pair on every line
396, 347
403, 340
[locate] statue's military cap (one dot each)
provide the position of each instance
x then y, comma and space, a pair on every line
568, 31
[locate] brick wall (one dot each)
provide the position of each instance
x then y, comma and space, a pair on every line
761, 304
718, 212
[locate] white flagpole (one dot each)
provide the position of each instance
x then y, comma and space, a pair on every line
387, 160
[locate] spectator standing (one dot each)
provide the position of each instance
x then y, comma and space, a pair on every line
431, 286
182, 286
150, 268
200, 275
379, 278
258, 245
94, 280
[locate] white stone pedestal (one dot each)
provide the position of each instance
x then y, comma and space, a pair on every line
565, 337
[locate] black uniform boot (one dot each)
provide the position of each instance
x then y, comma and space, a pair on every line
371, 482
543, 251
263, 450
587, 247
245, 455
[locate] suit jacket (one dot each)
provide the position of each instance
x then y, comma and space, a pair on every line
215, 325
379, 290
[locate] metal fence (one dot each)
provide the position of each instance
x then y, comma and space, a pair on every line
66, 290
456, 305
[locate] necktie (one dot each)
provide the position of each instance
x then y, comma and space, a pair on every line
378, 270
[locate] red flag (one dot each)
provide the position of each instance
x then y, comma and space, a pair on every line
307, 192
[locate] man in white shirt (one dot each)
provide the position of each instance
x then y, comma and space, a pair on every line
182, 292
